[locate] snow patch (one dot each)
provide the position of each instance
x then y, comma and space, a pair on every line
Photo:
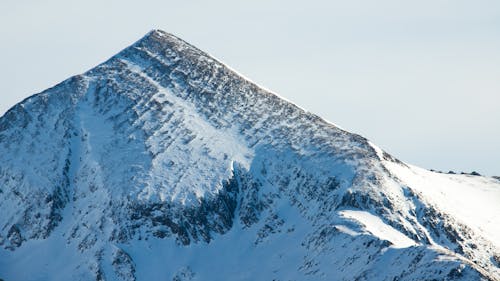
472, 200
377, 227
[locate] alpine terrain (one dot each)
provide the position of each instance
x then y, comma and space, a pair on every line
162, 163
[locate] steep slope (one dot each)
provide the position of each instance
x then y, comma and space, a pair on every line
164, 163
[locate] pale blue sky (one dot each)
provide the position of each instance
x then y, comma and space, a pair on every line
419, 78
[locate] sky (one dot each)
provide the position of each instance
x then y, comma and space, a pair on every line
421, 79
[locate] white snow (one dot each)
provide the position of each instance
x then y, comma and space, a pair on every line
137, 137
201, 178
377, 227
472, 200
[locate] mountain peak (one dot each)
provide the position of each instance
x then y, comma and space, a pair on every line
161, 36
160, 33
119, 169
160, 41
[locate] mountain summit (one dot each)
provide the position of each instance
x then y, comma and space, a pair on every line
164, 164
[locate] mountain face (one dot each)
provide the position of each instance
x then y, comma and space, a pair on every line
164, 164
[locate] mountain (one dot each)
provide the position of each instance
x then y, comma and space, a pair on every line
162, 163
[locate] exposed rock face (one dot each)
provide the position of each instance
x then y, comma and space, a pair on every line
164, 163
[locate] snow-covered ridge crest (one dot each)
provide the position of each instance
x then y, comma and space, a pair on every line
163, 162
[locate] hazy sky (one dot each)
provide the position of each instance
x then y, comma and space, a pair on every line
419, 78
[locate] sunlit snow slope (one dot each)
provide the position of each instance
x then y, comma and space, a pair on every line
164, 164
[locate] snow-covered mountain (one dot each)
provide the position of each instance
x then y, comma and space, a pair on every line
164, 164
